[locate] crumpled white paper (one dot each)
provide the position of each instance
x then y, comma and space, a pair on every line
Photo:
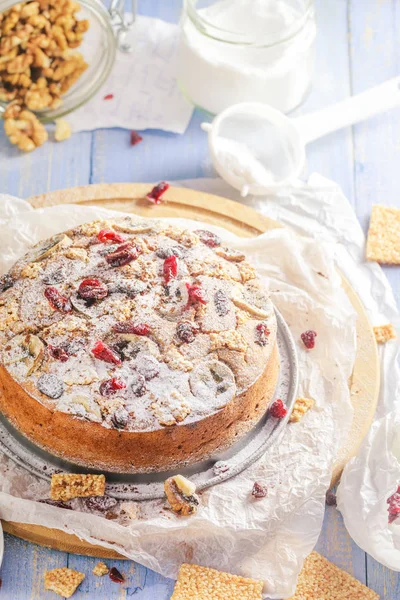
373, 475
143, 85
266, 539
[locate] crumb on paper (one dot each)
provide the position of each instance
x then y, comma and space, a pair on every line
384, 333
301, 406
100, 569
65, 486
320, 579
63, 581
63, 130
383, 242
200, 583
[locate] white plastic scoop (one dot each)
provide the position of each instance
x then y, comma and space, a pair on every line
256, 148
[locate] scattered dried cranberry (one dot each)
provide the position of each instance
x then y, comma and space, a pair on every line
123, 255
108, 97
57, 300
185, 332
92, 289
262, 333
278, 409
116, 576
157, 191
394, 505
135, 138
58, 353
221, 302
107, 235
111, 386
131, 327
195, 294
100, 503
138, 385
330, 498
103, 352
208, 238
308, 339
170, 268
259, 491
120, 418
6, 282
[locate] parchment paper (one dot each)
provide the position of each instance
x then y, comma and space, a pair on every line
369, 479
266, 539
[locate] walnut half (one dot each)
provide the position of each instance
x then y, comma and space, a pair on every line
181, 495
23, 128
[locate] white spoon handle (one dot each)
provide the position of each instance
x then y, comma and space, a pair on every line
357, 108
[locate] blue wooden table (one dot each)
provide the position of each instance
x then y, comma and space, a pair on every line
358, 46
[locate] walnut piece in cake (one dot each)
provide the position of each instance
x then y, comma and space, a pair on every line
65, 486
200, 583
63, 582
100, 569
228, 339
181, 494
301, 406
172, 409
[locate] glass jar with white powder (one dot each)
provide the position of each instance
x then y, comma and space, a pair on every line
247, 51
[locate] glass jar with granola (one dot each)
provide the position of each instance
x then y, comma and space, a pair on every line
56, 54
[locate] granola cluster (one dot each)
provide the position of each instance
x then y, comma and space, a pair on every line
109, 323
38, 63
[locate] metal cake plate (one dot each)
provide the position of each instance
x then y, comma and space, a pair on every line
212, 471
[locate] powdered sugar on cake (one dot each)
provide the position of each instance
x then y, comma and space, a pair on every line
135, 327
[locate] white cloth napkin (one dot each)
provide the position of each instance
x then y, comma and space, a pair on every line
143, 85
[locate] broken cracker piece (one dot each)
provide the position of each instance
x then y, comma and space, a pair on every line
63, 581
383, 242
65, 486
200, 583
320, 579
384, 333
100, 569
301, 406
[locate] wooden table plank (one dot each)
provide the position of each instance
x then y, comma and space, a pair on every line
375, 57
53, 166
331, 156
23, 568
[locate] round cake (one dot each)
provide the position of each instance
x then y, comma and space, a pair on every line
133, 346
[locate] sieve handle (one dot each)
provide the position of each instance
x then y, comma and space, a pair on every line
352, 110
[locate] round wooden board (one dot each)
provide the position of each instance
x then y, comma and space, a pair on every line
243, 221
